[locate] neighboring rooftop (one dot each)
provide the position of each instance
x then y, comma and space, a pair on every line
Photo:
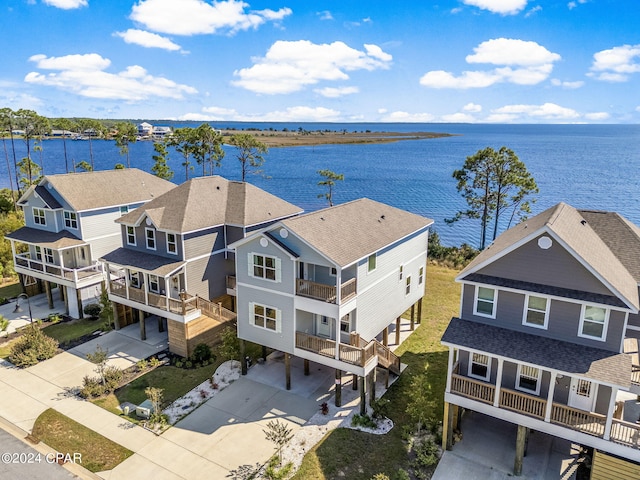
349, 232
210, 201
99, 189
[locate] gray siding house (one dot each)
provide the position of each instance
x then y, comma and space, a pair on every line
70, 224
324, 285
175, 262
547, 333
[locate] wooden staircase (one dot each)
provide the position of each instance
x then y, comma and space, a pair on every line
386, 358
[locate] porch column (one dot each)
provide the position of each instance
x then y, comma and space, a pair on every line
496, 393
287, 370
413, 312
398, 331
143, 330
116, 318
126, 283
447, 427
47, 289
306, 367
146, 288
160, 324
521, 441
363, 396
337, 324
61, 291
612, 406
79, 300
552, 388
243, 363
450, 370
385, 336
338, 388
419, 319
372, 387
264, 352
354, 382
338, 289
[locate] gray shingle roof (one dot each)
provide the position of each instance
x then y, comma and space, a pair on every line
55, 241
587, 241
154, 264
209, 201
351, 231
573, 359
91, 190
47, 198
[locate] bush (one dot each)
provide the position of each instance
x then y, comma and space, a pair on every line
33, 347
142, 365
113, 376
4, 324
201, 353
401, 474
92, 309
363, 421
91, 387
426, 454
229, 347
54, 318
154, 362
380, 408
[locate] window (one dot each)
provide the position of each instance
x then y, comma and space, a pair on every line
134, 279
124, 210
39, 217
265, 317
150, 236
48, 256
407, 288
131, 236
371, 263
485, 302
264, 266
38, 253
172, 245
345, 324
154, 284
528, 379
536, 312
401, 272
70, 219
593, 322
480, 366
420, 275
333, 271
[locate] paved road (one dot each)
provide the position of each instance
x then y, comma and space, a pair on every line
26, 462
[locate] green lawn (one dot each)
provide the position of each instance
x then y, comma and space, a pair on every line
68, 436
346, 453
11, 290
66, 332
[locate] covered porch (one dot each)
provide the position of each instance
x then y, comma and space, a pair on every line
327, 284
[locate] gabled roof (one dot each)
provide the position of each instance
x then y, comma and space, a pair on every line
210, 201
104, 188
44, 238
592, 245
349, 232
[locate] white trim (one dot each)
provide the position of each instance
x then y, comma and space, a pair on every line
605, 324
147, 238
400, 272
149, 275
268, 290
175, 243
407, 286
277, 267
71, 220
43, 216
277, 319
631, 327
526, 308
538, 380
126, 234
494, 306
100, 237
421, 274
375, 262
206, 255
471, 363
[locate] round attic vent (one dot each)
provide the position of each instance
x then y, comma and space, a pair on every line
264, 242
284, 233
545, 243
148, 221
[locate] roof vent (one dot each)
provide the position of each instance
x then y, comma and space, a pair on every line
218, 187
583, 222
322, 218
382, 217
545, 243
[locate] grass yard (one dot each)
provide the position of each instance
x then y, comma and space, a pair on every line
346, 453
68, 436
67, 332
10, 290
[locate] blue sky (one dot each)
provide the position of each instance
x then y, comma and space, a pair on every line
501, 61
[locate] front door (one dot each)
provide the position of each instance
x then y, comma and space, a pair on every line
582, 394
323, 326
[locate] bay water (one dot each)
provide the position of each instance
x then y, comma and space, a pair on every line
587, 166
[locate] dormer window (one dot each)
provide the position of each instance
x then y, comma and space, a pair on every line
70, 219
124, 210
131, 236
150, 236
39, 217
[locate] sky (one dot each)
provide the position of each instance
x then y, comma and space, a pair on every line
473, 61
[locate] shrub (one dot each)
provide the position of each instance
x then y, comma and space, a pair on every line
401, 474
54, 318
380, 476
113, 376
91, 387
179, 364
33, 347
92, 309
380, 408
426, 454
229, 345
142, 365
188, 364
154, 362
363, 421
201, 352
4, 324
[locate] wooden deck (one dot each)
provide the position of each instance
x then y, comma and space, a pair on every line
325, 293
25, 261
591, 423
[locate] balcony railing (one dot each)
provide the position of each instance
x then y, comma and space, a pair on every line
591, 423
24, 260
351, 354
326, 293
231, 282
182, 306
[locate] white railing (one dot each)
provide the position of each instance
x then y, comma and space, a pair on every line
24, 260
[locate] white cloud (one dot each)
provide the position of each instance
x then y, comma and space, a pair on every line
546, 111
472, 107
291, 114
523, 63
17, 100
147, 39
458, 118
616, 64
335, 92
66, 4
574, 4
290, 66
534, 10
638, 108
597, 116
85, 75
400, 116
503, 7
325, 15
569, 85
192, 17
